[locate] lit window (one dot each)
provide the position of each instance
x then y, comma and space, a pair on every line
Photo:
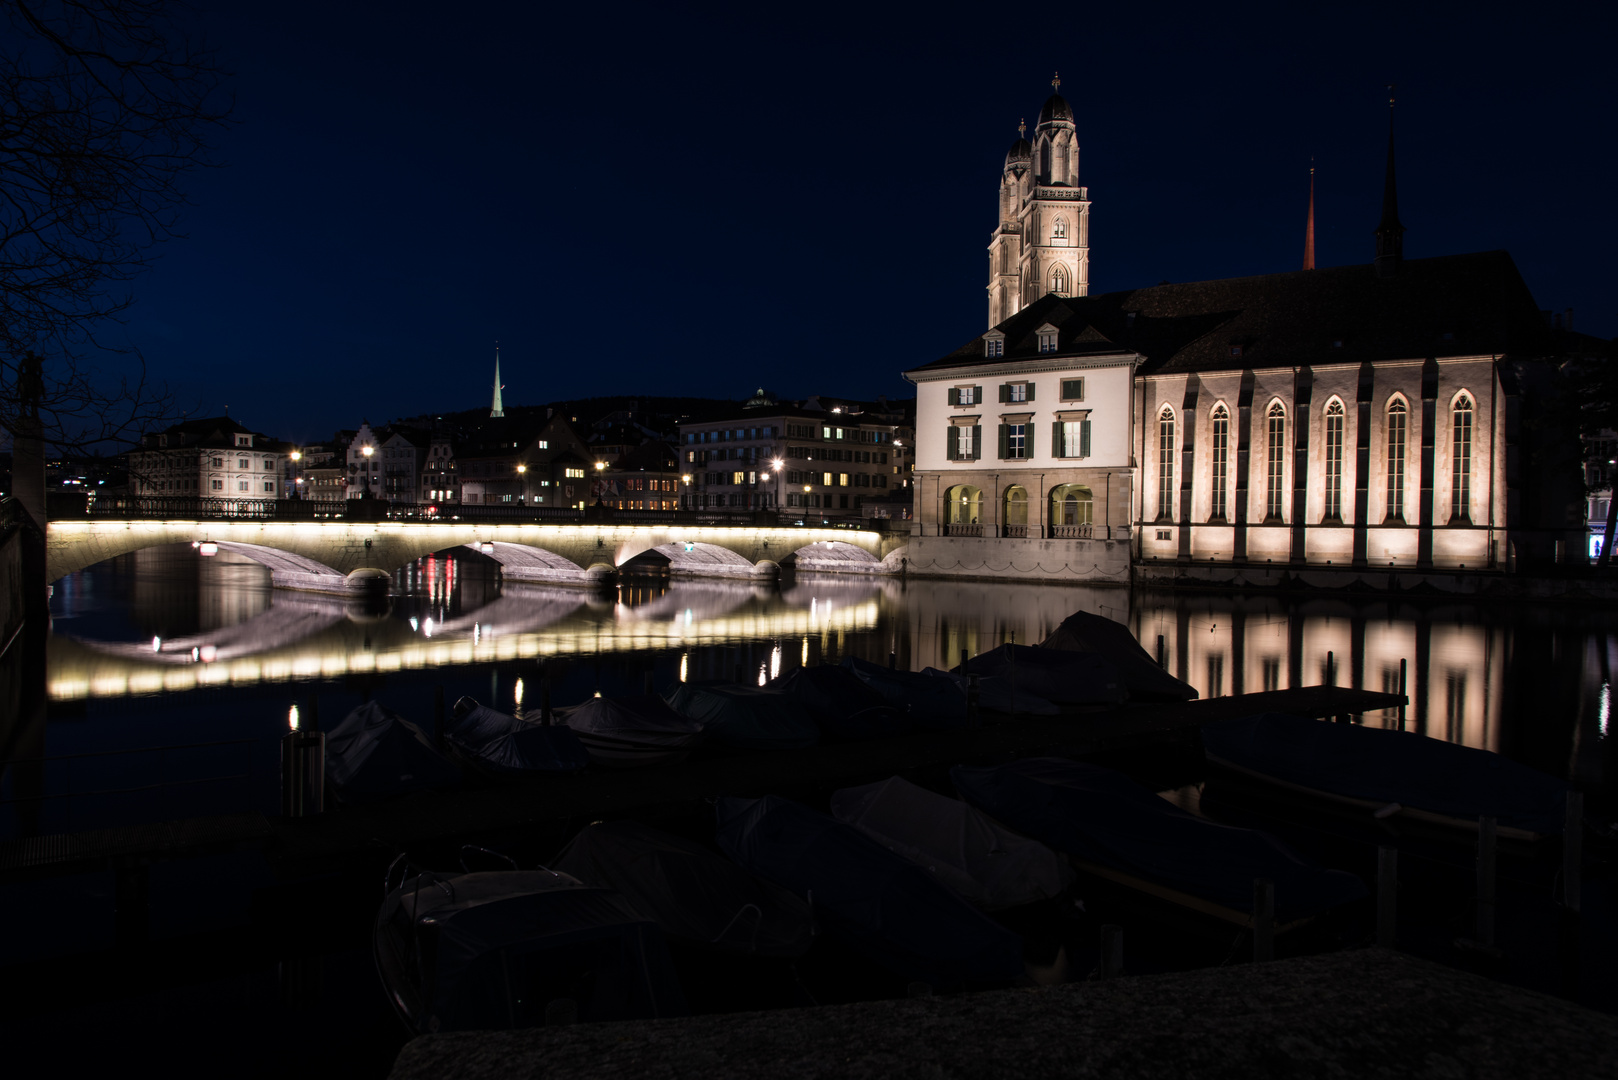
1221, 461
573, 474
1276, 422
1334, 461
1073, 438
1397, 417
1165, 464
1461, 461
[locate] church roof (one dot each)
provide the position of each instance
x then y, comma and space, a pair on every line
1454, 305
1021, 150
1055, 108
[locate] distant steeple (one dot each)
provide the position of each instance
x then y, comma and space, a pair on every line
497, 409
1390, 243
1309, 225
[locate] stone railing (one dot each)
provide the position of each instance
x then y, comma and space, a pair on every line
1072, 532
1015, 532
959, 529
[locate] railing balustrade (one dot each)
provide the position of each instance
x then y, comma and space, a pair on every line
960, 529
1014, 532
1072, 532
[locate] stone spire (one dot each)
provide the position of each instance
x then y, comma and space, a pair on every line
1309, 224
1390, 244
497, 409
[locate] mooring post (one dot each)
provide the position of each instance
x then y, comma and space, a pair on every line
1485, 902
1112, 951
1573, 852
1162, 654
893, 660
1263, 920
965, 656
1404, 671
303, 772
438, 717
1330, 680
1387, 896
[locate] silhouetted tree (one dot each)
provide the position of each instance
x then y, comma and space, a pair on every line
105, 107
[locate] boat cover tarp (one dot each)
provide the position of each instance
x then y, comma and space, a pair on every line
1385, 767
1101, 816
990, 866
1067, 678
510, 942
999, 695
931, 702
745, 716
501, 743
883, 904
693, 893
1144, 677
628, 731
375, 754
842, 705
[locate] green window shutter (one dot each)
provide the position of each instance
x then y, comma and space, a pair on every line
1005, 440
1030, 391
1057, 449
1084, 438
977, 394
952, 444
1005, 393
977, 442
954, 395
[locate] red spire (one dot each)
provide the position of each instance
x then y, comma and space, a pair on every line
1309, 227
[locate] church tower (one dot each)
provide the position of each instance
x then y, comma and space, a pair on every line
1042, 243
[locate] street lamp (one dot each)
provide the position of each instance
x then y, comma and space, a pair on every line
297, 481
367, 451
686, 497
521, 470
776, 464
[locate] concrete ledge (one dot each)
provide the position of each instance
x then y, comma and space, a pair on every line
1364, 1013
1094, 562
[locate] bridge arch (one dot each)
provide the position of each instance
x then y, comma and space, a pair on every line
836, 556
524, 562
693, 558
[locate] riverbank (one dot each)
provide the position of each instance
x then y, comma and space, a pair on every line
1579, 585
1367, 1012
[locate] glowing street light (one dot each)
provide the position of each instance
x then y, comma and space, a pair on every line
367, 451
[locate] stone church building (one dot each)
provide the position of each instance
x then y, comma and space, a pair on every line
1360, 417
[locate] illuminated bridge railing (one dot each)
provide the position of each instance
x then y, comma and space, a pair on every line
169, 508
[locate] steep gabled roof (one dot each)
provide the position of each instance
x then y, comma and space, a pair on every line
1454, 305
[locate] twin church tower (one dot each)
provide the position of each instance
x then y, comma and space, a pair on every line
1042, 244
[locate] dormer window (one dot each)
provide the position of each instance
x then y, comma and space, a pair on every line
244, 440
1235, 352
994, 343
1047, 338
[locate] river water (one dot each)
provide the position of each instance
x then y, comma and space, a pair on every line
171, 678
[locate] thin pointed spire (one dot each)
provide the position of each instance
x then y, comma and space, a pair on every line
1309, 225
497, 409
1390, 233
1022, 127
1056, 83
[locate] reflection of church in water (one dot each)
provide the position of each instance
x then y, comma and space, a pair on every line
1363, 417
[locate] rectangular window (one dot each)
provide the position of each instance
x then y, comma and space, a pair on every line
241, 485
219, 463
966, 395
575, 474
1017, 392
1047, 342
842, 479
994, 347
217, 485
269, 486
1013, 442
241, 463
738, 478
826, 479
1072, 438
1072, 389
962, 443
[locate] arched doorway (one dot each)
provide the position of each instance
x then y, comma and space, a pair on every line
1014, 515
1072, 512
963, 511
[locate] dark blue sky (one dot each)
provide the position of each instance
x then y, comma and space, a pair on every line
699, 199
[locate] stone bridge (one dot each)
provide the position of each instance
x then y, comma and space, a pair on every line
342, 557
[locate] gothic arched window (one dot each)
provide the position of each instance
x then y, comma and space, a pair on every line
1059, 230
1460, 490
1059, 281
1275, 460
1220, 446
1334, 460
1397, 418
1165, 464
1045, 158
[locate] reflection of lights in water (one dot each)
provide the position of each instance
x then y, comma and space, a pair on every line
813, 604
207, 547
763, 674
427, 628
414, 626
1604, 709
210, 653
292, 718
194, 654
157, 644
688, 616
805, 661
775, 662
516, 692
683, 658
98, 675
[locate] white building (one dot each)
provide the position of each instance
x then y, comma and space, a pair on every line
214, 458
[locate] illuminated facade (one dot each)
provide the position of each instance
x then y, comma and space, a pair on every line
211, 459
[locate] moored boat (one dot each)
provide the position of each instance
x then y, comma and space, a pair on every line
1116, 830
500, 745
1144, 677
745, 717
375, 753
516, 949
1389, 776
1057, 675
629, 732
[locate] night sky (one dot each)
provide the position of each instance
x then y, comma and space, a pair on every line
701, 199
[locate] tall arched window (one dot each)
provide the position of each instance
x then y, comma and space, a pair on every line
1460, 488
1397, 424
1059, 281
1045, 158
1005, 258
1220, 443
1059, 230
1334, 460
1165, 464
1276, 458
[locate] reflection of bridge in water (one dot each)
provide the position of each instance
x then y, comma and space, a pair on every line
312, 637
